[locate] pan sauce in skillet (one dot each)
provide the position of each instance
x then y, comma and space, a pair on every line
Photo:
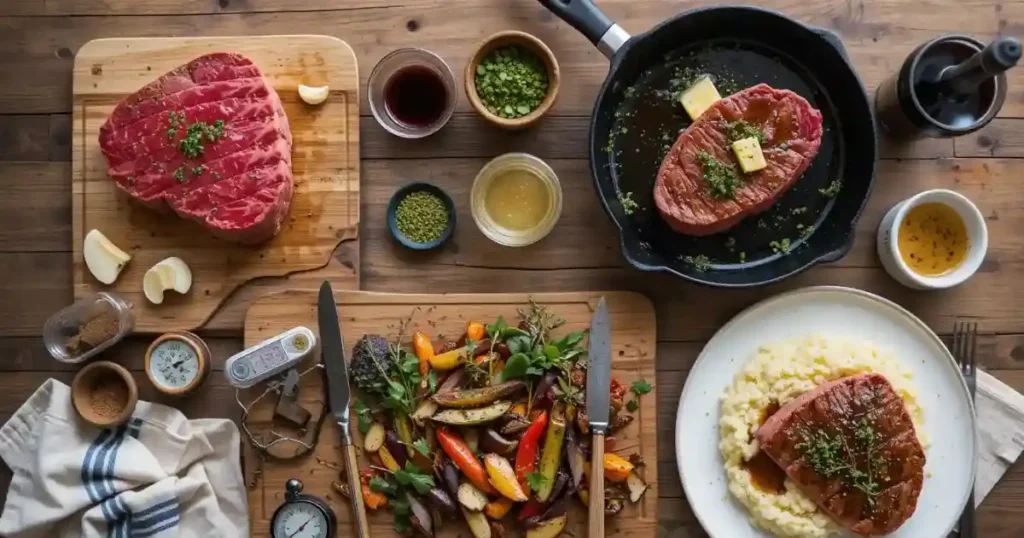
650, 118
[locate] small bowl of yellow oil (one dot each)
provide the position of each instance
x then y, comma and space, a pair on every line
934, 240
516, 199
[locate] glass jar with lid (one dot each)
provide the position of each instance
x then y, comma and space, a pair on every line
87, 327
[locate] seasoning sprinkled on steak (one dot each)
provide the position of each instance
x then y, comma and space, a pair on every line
851, 447
210, 141
695, 192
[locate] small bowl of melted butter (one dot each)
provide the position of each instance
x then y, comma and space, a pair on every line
934, 240
516, 199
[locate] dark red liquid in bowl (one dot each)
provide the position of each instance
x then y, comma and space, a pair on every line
416, 96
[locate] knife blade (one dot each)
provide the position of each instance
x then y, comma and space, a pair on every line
332, 349
339, 392
599, 369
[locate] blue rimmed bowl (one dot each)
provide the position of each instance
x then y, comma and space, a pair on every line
412, 188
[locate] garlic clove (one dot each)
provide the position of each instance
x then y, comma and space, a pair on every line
313, 95
102, 257
169, 274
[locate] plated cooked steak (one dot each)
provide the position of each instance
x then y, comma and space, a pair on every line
850, 446
209, 140
792, 131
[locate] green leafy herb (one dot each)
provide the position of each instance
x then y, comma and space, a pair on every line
806, 232
421, 446
363, 415
381, 485
191, 146
179, 175
511, 82
781, 246
740, 129
856, 464
412, 477
721, 178
567, 393
832, 190
641, 387
198, 170
700, 263
633, 405
400, 511
536, 481
432, 381
629, 206
171, 131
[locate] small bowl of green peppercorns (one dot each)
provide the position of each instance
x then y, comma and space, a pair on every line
421, 216
512, 79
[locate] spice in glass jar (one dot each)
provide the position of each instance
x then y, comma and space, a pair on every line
511, 82
94, 332
422, 217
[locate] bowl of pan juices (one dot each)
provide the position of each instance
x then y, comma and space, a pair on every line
933, 240
516, 199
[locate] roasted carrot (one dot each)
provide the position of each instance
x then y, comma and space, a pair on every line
464, 459
424, 351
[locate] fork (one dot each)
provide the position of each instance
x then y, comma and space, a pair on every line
964, 348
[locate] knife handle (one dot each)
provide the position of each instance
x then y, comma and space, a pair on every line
596, 527
356, 489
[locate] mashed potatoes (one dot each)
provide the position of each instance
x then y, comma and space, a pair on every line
777, 374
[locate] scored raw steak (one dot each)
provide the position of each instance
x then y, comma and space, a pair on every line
792, 134
851, 447
236, 179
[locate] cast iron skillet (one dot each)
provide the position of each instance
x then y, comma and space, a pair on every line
636, 118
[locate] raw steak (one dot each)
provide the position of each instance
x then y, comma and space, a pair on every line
240, 185
792, 132
845, 412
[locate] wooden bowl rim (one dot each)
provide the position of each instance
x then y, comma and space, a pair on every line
101, 368
535, 45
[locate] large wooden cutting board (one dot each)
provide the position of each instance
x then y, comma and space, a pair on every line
325, 157
633, 348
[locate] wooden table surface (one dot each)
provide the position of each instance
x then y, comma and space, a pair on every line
39, 39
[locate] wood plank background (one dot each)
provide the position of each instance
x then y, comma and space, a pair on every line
39, 39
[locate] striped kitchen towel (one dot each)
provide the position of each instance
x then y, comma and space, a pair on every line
159, 475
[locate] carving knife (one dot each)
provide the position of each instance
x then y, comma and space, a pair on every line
332, 348
599, 381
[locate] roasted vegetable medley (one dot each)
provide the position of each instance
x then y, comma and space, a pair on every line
489, 428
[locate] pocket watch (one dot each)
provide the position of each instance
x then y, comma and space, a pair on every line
177, 363
302, 516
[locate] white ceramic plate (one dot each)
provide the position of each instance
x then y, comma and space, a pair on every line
845, 312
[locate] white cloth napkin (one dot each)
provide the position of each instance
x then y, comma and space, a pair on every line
159, 475
1000, 412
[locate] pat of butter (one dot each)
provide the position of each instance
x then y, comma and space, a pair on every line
699, 97
748, 153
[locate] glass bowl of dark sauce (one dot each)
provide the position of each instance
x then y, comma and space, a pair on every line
412, 93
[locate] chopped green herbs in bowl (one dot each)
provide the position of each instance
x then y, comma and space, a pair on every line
512, 79
421, 216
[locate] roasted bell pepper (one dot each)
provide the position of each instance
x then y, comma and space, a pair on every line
499, 508
529, 445
532, 508
551, 456
503, 478
372, 499
464, 459
475, 331
424, 351
616, 468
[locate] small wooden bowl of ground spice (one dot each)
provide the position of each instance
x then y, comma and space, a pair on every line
421, 216
512, 79
104, 394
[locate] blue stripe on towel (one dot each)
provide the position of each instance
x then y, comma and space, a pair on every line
156, 520
150, 532
141, 515
100, 440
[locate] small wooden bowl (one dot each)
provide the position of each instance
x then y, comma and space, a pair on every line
530, 43
119, 386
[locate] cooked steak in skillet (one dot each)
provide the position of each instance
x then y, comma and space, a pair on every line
233, 175
851, 447
792, 131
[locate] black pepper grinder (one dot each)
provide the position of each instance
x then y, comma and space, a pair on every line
947, 87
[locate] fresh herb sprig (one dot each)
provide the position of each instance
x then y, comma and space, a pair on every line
639, 388
394, 485
859, 466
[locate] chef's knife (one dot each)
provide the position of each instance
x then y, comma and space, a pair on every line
332, 348
599, 380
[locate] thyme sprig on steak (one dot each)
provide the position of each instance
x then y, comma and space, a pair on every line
859, 466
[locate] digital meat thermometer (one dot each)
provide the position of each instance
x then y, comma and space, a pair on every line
269, 357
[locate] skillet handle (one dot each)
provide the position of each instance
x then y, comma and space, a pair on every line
586, 17
833, 39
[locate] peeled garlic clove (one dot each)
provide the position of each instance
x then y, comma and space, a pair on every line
313, 95
169, 274
104, 260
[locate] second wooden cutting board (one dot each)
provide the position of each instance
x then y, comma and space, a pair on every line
633, 348
325, 164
